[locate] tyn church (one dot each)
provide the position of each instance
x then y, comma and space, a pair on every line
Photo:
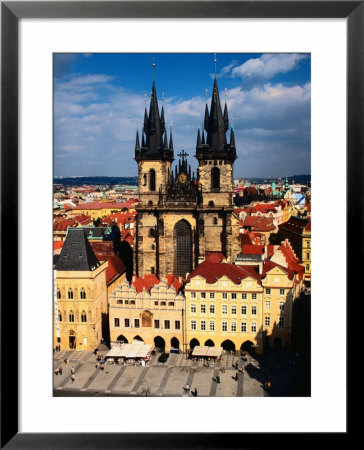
180, 216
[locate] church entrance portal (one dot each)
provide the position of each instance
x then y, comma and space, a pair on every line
183, 248
72, 340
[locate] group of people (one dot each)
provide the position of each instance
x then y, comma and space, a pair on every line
59, 371
187, 389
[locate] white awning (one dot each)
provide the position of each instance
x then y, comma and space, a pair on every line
134, 350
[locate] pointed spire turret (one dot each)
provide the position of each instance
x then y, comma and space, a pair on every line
203, 138
137, 144
198, 138
226, 118
232, 138
170, 138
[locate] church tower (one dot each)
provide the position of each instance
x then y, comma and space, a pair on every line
154, 155
216, 158
180, 216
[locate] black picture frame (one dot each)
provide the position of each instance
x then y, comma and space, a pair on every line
11, 12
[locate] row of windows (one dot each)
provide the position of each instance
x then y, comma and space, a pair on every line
234, 295
233, 325
132, 302
70, 294
71, 317
224, 308
157, 323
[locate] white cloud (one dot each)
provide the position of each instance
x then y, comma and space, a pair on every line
267, 66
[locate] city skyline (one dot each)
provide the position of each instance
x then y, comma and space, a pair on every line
99, 102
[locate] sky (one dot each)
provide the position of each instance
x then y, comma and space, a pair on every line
99, 102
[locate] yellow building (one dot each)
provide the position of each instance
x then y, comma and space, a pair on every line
240, 307
80, 297
148, 310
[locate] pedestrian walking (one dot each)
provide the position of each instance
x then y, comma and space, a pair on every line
195, 392
60, 370
73, 370
97, 365
236, 376
102, 366
72, 377
56, 371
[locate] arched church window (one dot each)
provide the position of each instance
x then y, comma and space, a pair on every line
215, 178
71, 316
83, 294
151, 232
83, 316
183, 246
60, 316
70, 294
58, 294
152, 180
150, 203
211, 203
215, 220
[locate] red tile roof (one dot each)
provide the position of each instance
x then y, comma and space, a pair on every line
252, 249
115, 269
296, 224
216, 257
62, 225
212, 271
256, 223
57, 244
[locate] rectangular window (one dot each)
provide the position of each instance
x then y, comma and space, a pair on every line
203, 309
233, 296
156, 303
307, 256
167, 325
212, 294
212, 309
224, 326
193, 294
136, 323
253, 327
126, 323
233, 309
177, 325
193, 324
203, 325
254, 296
156, 324
307, 267
281, 322
267, 291
116, 322
267, 304
267, 321
254, 310
224, 295
233, 326
212, 325
243, 327
193, 308
243, 310
203, 294
224, 309
281, 291
281, 306
243, 296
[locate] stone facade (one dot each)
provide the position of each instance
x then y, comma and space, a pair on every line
181, 217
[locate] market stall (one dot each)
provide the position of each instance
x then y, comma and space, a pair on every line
137, 352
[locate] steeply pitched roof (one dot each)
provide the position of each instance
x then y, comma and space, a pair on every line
76, 253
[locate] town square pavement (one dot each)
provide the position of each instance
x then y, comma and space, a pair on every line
165, 379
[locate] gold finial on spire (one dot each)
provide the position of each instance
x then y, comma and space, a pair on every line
145, 99
171, 123
198, 120
153, 65
215, 61
162, 98
232, 122
206, 95
225, 94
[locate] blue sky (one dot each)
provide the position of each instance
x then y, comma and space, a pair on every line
100, 98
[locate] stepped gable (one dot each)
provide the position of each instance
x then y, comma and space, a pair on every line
76, 253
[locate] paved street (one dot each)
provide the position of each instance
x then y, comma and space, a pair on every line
167, 379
